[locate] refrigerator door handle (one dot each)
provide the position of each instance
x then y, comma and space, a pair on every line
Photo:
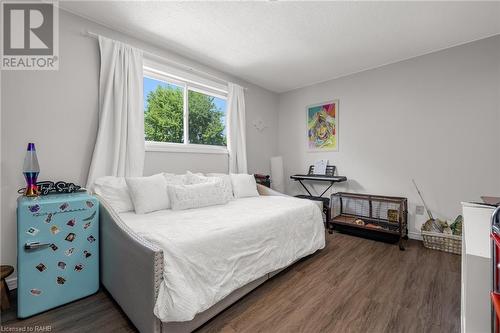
35, 245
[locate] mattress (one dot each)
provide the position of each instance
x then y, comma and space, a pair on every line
210, 252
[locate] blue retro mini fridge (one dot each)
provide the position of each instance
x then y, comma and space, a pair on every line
57, 252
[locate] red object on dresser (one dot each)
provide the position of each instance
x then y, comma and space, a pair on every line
495, 256
495, 301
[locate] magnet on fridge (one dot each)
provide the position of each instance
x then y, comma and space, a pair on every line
78, 267
91, 217
71, 223
32, 231
34, 208
91, 239
86, 225
64, 206
61, 265
35, 292
61, 280
48, 219
41, 267
87, 254
54, 230
89, 204
71, 237
53, 247
69, 251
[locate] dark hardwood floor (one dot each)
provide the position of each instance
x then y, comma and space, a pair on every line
353, 285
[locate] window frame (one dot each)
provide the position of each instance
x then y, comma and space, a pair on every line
187, 85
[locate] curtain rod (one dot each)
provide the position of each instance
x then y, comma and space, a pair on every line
187, 67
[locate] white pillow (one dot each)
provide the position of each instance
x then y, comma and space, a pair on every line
193, 178
114, 191
173, 179
196, 195
226, 183
148, 194
244, 185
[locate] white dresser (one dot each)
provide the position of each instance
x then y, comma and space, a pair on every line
476, 268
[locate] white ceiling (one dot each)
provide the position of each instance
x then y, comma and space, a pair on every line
286, 45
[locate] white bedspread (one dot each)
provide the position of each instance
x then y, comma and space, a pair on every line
210, 252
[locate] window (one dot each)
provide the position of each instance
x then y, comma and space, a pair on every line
163, 111
181, 114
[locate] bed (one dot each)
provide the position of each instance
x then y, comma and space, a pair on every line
171, 271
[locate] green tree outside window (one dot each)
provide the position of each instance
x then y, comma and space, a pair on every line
163, 118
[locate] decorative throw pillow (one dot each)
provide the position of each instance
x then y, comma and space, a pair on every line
148, 194
196, 195
244, 185
173, 179
193, 178
226, 183
115, 192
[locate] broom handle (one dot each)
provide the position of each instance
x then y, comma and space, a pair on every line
423, 201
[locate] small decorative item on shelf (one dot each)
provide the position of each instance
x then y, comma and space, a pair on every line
373, 226
393, 215
31, 169
359, 222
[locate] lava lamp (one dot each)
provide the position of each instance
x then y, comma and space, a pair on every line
31, 169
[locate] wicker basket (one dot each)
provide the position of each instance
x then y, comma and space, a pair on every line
442, 242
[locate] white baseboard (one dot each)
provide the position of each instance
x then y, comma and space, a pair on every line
11, 282
415, 235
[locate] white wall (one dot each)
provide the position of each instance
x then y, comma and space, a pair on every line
435, 118
58, 111
156, 162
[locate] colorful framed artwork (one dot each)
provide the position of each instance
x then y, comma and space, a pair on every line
323, 126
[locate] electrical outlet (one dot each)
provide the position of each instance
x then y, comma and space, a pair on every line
419, 210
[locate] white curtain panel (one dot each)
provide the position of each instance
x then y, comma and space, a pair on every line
236, 133
119, 148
